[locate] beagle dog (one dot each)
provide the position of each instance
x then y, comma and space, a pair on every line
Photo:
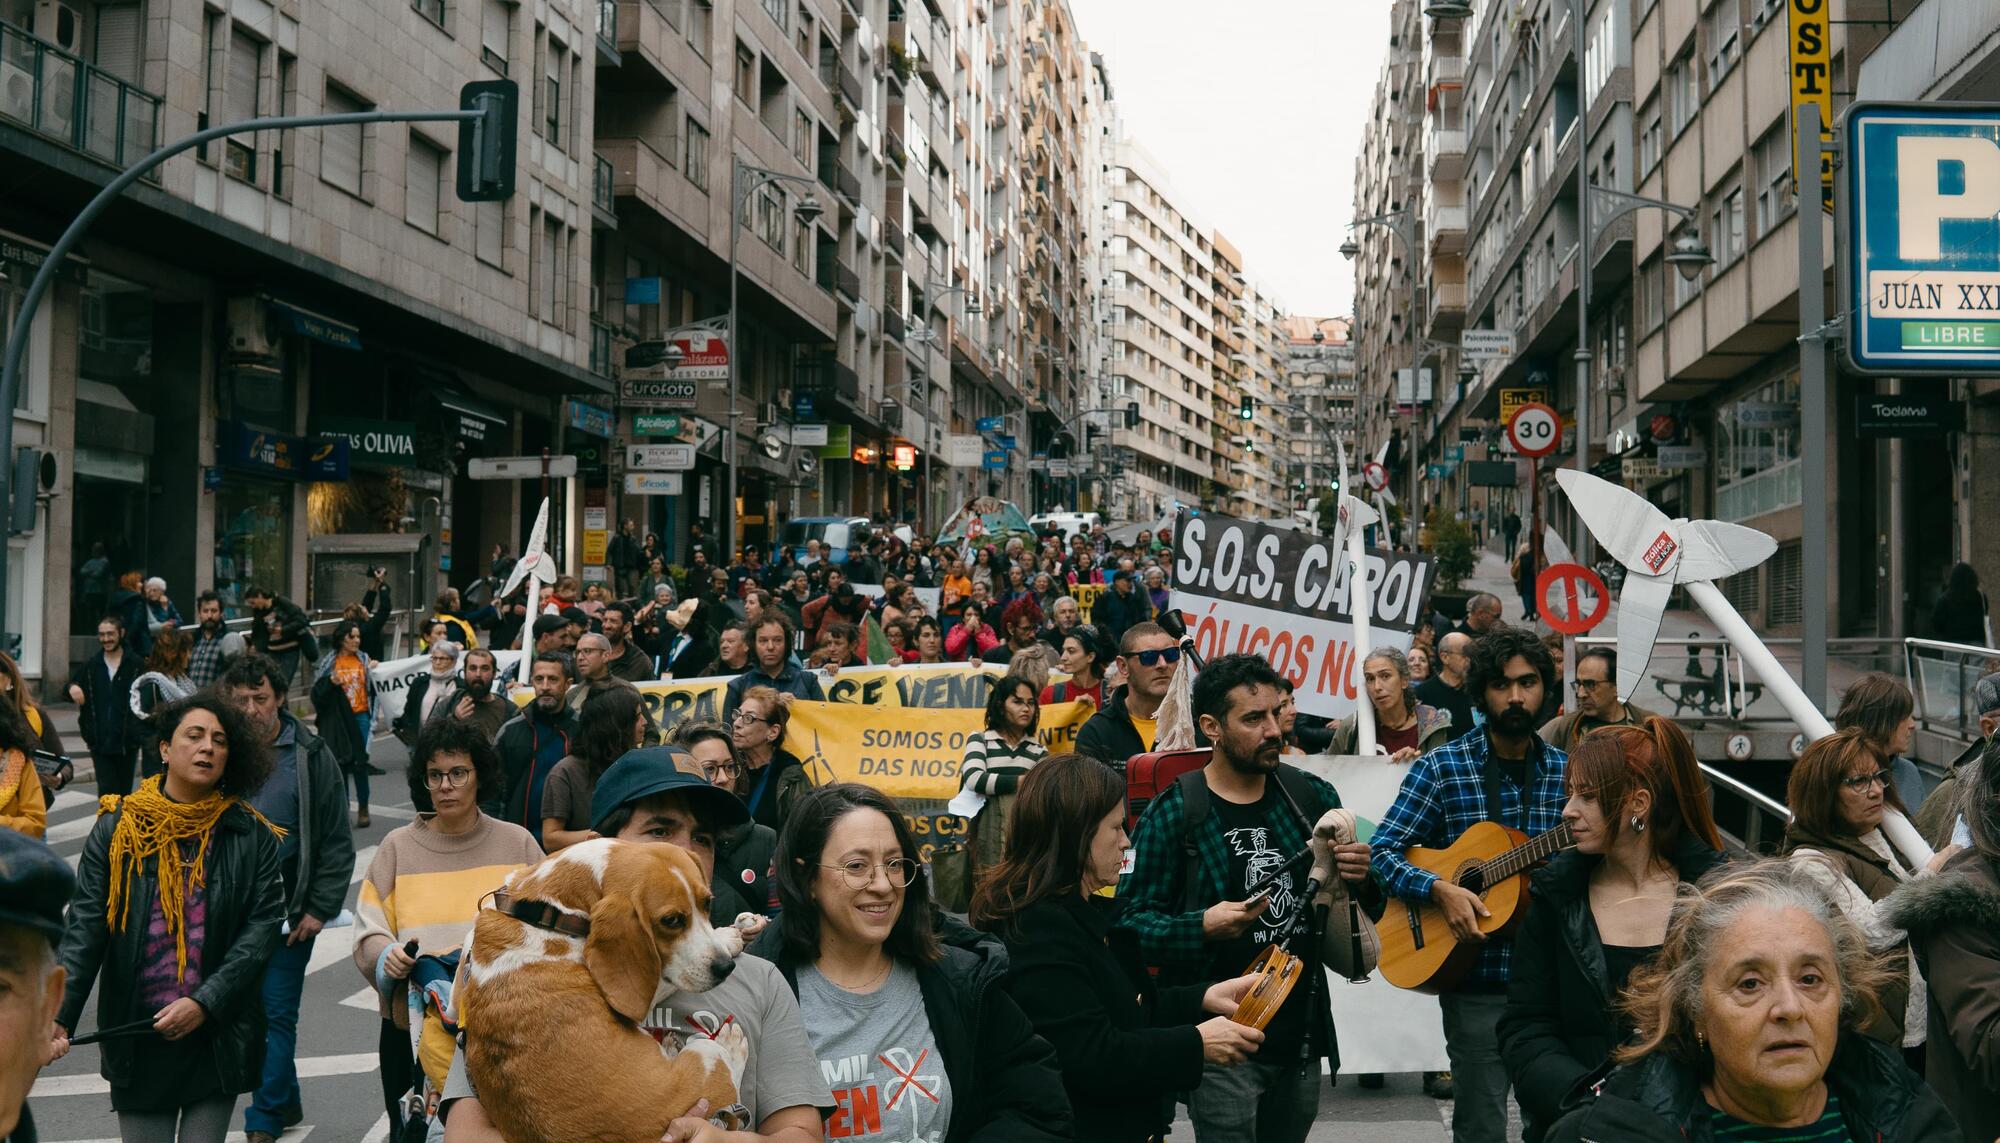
571, 956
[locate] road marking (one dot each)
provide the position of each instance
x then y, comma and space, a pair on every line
364, 998
72, 828
378, 1133
310, 1067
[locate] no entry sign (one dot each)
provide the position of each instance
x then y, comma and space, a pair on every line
1584, 598
1535, 431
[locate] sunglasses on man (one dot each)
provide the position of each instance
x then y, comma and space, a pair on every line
1167, 655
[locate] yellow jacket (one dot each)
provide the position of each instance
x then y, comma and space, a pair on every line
21, 806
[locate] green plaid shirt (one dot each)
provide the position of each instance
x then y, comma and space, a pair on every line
1153, 892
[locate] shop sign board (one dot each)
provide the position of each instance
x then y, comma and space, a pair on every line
1907, 415
964, 450
660, 457
1678, 458
1486, 344
657, 424
1923, 278
679, 392
261, 451
372, 444
654, 484
519, 467
809, 435
585, 417
326, 460
1512, 401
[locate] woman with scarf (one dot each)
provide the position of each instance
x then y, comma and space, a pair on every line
23, 807
343, 698
427, 692
176, 910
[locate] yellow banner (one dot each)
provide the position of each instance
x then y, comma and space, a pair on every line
1810, 51
1086, 595
955, 686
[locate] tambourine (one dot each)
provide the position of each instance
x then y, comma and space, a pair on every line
1277, 973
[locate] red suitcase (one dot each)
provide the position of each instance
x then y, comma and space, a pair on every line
1148, 775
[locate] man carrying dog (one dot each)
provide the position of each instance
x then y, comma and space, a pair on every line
659, 794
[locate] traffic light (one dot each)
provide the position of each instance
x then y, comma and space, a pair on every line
486, 144
1248, 409
34, 473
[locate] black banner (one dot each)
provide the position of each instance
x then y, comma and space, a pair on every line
1254, 563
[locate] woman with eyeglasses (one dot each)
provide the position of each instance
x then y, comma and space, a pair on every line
773, 777
925, 1027
427, 692
1849, 831
426, 880
742, 879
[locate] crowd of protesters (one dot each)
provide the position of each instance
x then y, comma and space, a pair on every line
1073, 981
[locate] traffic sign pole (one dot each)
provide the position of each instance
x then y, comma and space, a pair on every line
1812, 410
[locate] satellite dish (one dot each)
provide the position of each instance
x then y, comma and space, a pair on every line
772, 444
808, 464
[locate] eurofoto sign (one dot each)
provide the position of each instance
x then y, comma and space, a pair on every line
1922, 217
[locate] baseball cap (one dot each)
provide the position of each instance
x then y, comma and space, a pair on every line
549, 625
653, 770
1986, 694
34, 885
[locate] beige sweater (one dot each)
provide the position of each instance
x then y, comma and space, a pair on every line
426, 886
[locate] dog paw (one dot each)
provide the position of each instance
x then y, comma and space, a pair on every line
734, 1048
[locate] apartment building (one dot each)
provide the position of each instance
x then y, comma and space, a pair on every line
269, 362
1320, 395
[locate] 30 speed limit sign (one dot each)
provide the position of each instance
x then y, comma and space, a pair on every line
1535, 431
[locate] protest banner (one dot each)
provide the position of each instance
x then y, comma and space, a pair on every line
931, 685
1086, 595
1404, 1031
1246, 586
911, 754
390, 682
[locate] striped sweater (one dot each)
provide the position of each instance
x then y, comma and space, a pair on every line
425, 886
992, 767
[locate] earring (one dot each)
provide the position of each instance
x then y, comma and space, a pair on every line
1701, 1040
1638, 824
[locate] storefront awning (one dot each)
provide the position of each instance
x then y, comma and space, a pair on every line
319, 327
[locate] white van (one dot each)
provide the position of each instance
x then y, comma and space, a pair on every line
1068, 523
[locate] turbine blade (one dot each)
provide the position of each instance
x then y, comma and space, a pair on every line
1641, 606
1636, 534
1712, 549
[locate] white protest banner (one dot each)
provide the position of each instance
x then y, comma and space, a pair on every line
391, 682
1399, 1031
1247, 586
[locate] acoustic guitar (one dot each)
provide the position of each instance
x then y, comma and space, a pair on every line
1419, 951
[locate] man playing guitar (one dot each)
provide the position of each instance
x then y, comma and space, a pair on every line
1504, 773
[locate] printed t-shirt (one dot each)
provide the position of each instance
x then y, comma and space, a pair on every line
876, 1052
1246, 834
353, 681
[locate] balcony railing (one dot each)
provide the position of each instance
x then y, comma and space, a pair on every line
848, 282
77, 103
846, 182
850, 87
600, 348
601, 195
892, 324
892, 233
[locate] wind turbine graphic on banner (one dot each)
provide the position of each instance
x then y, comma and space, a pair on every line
535, 564
1351, 519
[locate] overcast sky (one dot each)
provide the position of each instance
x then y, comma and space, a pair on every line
1255, 107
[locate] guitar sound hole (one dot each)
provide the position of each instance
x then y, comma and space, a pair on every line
1471, 879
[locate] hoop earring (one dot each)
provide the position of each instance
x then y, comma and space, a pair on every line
1638, 824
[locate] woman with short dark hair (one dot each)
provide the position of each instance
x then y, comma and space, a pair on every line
856, 940
613, 721
1124, 1046
1882, 708
176, 910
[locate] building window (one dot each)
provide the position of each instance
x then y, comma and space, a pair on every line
342, 149
241, 102
1683, 93
496, 33
803, 139
746, 76
1725, 27
1726, 228
1776, 198
807, 26
780, 12
555, 60
432, 10
1757, 452
1649, 138
423, 172
282, 155
118, 40
489, 225
701, 26
551, 276
696, 166
1649, 295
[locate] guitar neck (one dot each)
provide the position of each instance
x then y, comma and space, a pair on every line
1526, 854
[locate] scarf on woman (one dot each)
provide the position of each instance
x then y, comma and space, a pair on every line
153, 826
11, 768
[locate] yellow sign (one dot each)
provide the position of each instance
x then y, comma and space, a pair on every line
1086, 597
1511, 401
1810, 51
595, 541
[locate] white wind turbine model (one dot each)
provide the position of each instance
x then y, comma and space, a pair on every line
534, 564
1351, 519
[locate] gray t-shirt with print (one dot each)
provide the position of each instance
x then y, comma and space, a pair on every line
783, 1072
877, 1053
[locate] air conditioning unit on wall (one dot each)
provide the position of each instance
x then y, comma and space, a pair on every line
249, 328
60, 25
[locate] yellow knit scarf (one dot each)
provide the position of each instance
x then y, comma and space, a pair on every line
12, 765
153, 826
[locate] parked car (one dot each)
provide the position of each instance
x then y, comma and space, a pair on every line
1066, 523
837, 535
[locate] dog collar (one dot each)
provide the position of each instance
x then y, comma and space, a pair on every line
542, 915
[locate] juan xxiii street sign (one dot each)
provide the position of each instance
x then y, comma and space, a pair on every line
1922, 282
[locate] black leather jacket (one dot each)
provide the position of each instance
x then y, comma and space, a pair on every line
246, 904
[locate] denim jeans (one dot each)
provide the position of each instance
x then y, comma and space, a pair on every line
284, 982
365, 724
1478, 1078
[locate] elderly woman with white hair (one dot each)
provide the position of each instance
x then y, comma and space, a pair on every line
1747, 1026
160, 613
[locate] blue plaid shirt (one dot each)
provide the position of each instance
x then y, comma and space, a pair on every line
1443, 794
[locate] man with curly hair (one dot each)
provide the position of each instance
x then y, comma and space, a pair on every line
1504, 773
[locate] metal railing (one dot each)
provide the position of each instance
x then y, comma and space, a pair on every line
1941, 675
1758, 808
75, 102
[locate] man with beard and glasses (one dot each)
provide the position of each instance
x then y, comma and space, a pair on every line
476, 701
1503, 773
531, 743
214, 644
1202, 844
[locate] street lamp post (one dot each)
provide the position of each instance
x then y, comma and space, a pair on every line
806, 211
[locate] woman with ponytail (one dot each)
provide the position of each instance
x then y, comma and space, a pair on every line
177, 906
1638, 813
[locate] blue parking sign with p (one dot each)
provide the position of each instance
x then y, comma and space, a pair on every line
1922, 282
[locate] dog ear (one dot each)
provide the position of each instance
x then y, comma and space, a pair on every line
622, 956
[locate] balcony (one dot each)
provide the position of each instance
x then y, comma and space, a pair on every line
1446, 306
850, 88
847, 282
75, 103
1444, 225
846, 183
1447, 71
600, 349
1445, 152
603, 196
651, 52
892, 235
639, 170
892, 324
898, 153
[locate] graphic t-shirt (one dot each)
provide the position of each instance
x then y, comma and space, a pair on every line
1253, 856
353, 681
160, 980
877, 1053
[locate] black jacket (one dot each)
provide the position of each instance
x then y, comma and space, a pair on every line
1005, 1086
326, 840
1558, 1025
333, 720
245, 906
742, 881
1110, 737
1122, 1044
380, 608
1113, 613
520, 744
411, 722
1659, 1100
104, 720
